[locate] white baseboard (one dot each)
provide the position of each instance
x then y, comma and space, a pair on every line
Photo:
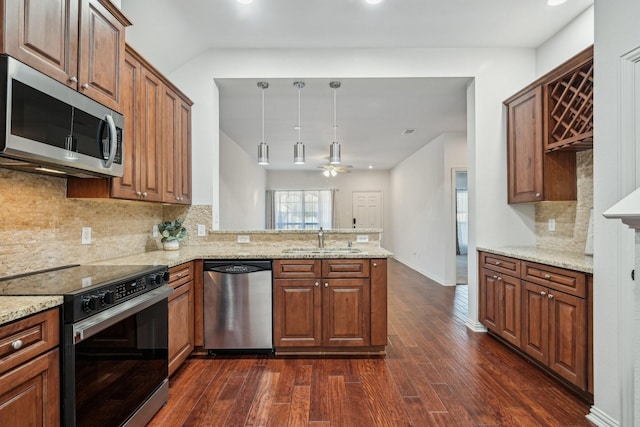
419, 270
475, 326
601, 419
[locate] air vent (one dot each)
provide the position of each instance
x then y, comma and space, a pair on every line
408, 131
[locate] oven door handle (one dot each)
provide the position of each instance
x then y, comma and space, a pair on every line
101, 321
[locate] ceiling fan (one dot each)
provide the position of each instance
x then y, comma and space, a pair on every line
333, 170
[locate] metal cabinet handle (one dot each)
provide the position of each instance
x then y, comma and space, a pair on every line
17, 344
538, 194
375, 264
497, 277
546, 276
550, 296
497, 262
145, 194
317, 284
543, 293
326, 285
179, 275
85, 86
138, 193
73, 79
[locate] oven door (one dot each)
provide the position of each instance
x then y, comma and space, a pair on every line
115, 364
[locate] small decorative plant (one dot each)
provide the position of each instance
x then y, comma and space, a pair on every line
172, 230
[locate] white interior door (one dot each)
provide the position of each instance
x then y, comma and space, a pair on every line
367, 209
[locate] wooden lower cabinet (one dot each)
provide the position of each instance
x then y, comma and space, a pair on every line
181, 315
552, 324
500, 304
330, 313
555, 331
30, 374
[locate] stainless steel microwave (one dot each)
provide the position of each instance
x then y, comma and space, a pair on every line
47, 127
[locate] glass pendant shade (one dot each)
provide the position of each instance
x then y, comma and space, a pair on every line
334, 153
298, 153
263, 154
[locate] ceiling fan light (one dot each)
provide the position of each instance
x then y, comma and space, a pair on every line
263, 154
334, 172
298, 153
326, 173
334, 153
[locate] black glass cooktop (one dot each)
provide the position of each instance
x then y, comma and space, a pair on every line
71, 280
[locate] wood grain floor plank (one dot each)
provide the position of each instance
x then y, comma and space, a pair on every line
436, 373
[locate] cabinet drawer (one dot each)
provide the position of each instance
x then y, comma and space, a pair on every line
296, 268
345, 268
568, 281
180, 274
500, 263
33, 335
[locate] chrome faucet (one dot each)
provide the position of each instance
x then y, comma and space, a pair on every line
321, 239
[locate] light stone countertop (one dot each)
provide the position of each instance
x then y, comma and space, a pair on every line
14, 308
239, 251
563, 259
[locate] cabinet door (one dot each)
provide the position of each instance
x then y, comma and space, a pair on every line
489, 300
524, 147
568, 337
150, 143
183, 172
170, 147
128, 186
101, 54
297, 312
44, 35
181, 325
346, 312
30, 393
509, 308
535, 321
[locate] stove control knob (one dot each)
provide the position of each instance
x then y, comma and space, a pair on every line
166, 276
90, 303
159, 279
107, 298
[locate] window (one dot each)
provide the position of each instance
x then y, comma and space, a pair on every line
302, 209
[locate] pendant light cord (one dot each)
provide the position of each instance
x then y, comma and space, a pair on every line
299, 140
263, 115
335, 126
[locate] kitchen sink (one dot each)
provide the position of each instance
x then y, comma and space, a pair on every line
327, 251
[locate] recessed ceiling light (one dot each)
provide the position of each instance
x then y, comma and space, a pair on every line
244, 1
374, 1
555, 2
370, 166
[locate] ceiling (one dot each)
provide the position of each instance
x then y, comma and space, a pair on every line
372, 113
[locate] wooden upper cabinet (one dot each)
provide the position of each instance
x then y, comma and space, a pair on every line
532, 174
157, 134
524, 147
80, 43
101, 46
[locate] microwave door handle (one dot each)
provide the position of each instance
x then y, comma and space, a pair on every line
113, 141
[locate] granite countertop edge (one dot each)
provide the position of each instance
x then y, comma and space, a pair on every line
17, 307
556, 258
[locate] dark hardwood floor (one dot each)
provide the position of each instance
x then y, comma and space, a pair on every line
436, 373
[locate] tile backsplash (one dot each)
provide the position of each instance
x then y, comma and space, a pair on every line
41, 228
572, 218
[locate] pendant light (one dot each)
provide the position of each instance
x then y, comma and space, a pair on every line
334, 148
298, 148
263, 148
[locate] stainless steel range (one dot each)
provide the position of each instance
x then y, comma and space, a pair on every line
114, 340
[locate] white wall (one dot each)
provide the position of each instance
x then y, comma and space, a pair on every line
242, 188
614, 170
567, 42
422, 218
345, 183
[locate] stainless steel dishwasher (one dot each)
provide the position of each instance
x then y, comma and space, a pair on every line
238, 306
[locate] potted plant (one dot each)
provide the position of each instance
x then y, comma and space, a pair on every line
172, 232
